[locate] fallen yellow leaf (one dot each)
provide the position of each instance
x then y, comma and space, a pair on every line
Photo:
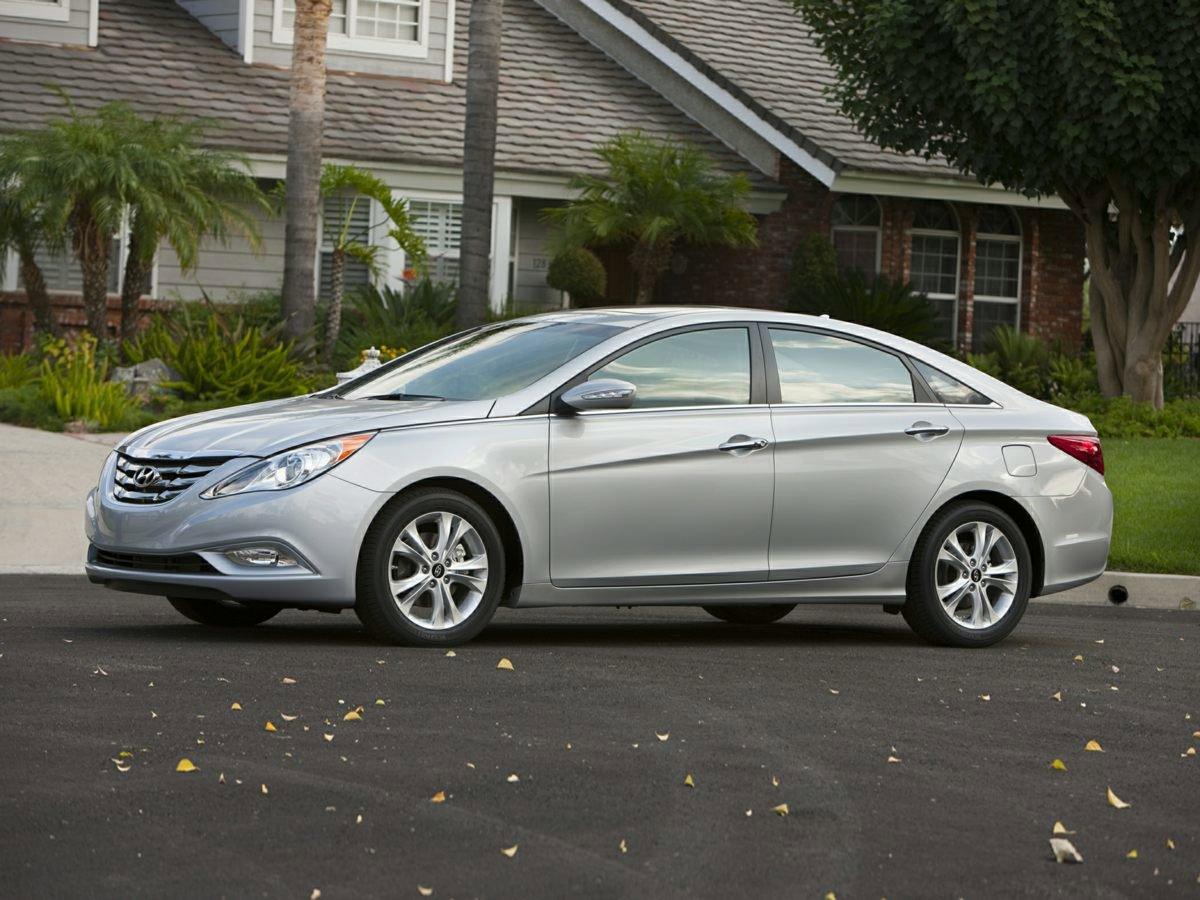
185, 765
1057, 695
985, 697
781, 809
270, 726
1170, 844
689, 781
513, 778
451, 653
1094, 746
235, 706
1115, 801
893, 759
221, 778
1064, 851
424, 891
352, 716
663, 736
287, 680
328, 737
439, 797
1079, 657
832, 691
624, 846
264, 789
510, 852
1060, 828
379, 703
505, 663
774, 781
1132, 854
1059, 765
288, 718
1190, 751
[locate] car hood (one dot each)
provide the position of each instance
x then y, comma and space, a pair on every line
262, 429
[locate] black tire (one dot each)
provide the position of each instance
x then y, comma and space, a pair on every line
376, 607
755, 614
923, 610
225, 613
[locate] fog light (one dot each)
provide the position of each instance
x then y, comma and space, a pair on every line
262, 557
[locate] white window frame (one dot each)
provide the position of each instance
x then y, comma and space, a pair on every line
54, 11
877, 230
351, 43
1019, 240
501, 238
957, 235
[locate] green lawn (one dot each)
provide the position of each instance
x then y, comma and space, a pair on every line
1156, 494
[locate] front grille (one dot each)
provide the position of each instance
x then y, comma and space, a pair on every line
159, 480
187, 563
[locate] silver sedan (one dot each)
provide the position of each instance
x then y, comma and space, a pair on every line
739, 460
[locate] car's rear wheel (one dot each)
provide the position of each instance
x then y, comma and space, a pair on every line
224, 613
754, 614
969, 578
431, 570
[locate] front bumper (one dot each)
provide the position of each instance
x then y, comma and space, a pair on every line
323, 521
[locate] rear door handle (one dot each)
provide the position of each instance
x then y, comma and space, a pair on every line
741, 442
926, 430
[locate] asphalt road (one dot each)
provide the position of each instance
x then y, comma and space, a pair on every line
817, 702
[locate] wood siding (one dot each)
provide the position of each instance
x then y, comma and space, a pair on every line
226, 271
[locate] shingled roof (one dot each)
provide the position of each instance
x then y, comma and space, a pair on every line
559, 95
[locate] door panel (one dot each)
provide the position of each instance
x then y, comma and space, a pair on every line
850, 483
646, 497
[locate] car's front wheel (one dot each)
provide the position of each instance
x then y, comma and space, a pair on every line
969, 578
754, 614
224, 613
431, 570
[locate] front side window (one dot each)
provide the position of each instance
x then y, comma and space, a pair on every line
482, 364
695, 368
934, 260
821, 369
997, 274
857, 230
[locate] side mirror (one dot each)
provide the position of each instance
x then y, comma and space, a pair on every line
603, 393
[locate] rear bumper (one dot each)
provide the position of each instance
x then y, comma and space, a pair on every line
1076, 532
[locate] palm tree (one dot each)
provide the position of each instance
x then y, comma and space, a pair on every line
655, 194
184, 194
479, 160
361, 187
22, 229
306, 123
78, 171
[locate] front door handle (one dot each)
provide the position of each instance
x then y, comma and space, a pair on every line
743, 443
926, 430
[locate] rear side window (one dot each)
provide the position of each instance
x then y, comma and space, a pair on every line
694, 368
947, 389
822, 369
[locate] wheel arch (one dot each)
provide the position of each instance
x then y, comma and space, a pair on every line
514, 553
1024, 520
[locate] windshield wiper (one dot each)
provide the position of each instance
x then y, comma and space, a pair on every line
402, 396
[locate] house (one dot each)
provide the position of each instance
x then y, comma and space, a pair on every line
744, 81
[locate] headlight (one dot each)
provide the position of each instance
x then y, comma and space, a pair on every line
290, 468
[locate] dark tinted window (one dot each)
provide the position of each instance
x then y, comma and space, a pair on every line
694, 368
947, 389
820, 368
485, 363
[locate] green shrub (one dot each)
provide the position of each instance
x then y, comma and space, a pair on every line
579, 272
27, 406
75, 383
888, 305
1122, 418
814, 269
400, 319
17, 370
219, 357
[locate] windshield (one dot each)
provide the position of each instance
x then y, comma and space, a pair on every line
483, 364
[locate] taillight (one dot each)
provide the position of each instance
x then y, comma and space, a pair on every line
1083, 447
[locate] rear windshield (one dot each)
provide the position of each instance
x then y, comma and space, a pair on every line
483, 364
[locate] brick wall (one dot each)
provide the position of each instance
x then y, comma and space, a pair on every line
16, 319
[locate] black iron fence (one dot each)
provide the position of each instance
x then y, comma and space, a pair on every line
1181, 362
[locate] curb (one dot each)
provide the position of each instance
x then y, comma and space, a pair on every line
1145, 591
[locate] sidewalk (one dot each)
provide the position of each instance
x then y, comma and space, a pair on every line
47, 476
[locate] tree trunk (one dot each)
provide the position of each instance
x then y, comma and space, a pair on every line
1142, 280
333, 316
479, 161
137, 272
306, 122
91, 249
649, 261
35, 291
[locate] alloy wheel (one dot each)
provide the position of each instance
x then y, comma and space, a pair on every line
438, 570
976, 575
